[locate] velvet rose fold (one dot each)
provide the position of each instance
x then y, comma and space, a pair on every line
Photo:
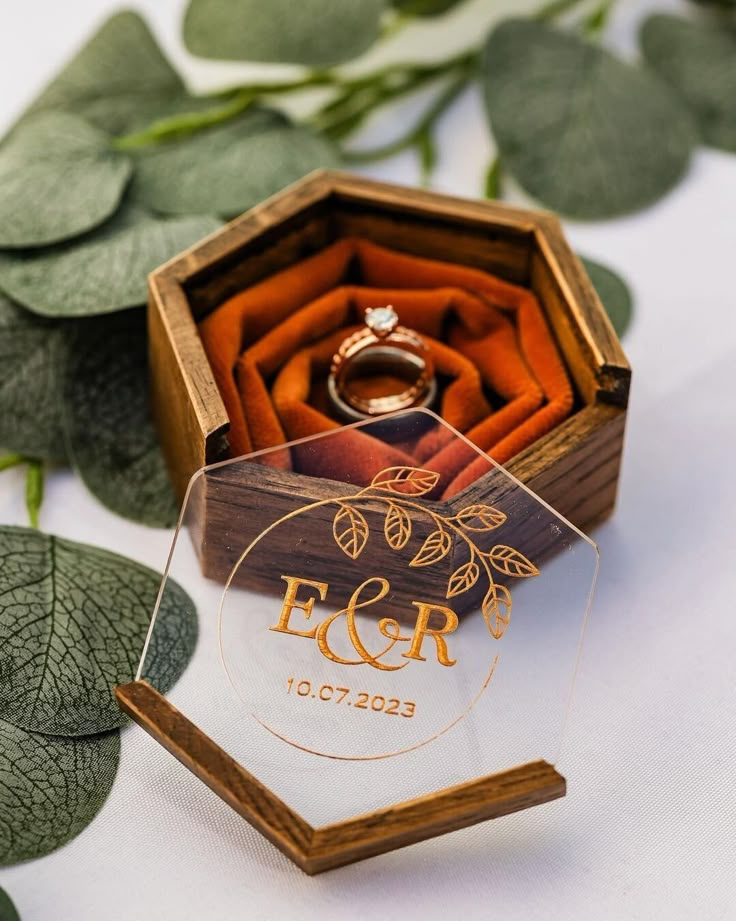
501, 380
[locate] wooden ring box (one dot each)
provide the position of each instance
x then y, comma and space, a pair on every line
574, 468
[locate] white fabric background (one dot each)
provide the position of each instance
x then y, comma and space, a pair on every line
648, 827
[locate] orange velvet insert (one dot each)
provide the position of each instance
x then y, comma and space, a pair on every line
270, 348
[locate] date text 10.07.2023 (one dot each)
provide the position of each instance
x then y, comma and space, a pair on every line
362, 700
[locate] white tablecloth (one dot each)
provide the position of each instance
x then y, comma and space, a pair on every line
648, 827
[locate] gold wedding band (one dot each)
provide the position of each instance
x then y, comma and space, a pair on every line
381, 347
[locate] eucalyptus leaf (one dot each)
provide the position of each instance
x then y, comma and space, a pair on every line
8, 911
73, 620
50, 788
316, 33
585, 133
32, 355
58, 178
119, 81
229, 168
110, 434
613, 292
103, 271
698, 59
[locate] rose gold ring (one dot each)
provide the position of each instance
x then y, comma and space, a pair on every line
382, 349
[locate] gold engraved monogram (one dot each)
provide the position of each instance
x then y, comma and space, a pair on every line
395, 488
388, 627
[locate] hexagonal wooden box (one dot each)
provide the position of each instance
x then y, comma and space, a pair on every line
575, 467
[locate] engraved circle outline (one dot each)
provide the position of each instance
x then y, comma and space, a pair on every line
402, 751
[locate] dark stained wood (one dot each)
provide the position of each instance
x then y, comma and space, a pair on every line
574, 468
229, 780
527, 247
593, 353
298, 236
203, 261
407, 200
242, 500
437, 814
318, 849
187, 406
451, 233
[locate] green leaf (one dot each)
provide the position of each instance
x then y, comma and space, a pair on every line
111, 438
583, 132
227, 169
613, 292
8, 911
50, 789
73, 620
58, 178
316, 33
103, 271
698, 59
119, 80
32, 355
79, 390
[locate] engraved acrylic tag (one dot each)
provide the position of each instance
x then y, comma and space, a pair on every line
389, 628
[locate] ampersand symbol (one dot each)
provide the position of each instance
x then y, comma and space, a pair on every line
387, 626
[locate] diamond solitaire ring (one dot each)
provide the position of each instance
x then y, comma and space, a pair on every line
380, 369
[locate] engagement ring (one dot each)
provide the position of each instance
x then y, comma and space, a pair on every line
381, 352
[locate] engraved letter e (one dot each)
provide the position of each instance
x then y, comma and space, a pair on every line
293, 584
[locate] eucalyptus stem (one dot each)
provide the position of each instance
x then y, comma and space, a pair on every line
356, 98
34, 482
187, 123
597, 20
344, 114
427, 150
7, 461
235, 102
419, 134
556, 8
34, 490
396, 24
493, 179
396, 71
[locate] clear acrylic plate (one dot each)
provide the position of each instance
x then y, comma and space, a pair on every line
385, 614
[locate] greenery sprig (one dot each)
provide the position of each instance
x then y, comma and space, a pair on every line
522, 50
148, 168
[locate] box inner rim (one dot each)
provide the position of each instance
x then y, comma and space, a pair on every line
307, 230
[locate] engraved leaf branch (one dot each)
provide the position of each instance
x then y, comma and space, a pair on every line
395, 486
